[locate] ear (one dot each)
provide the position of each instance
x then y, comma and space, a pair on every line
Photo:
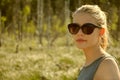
102, 31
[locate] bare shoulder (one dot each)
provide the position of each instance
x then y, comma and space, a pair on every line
108, 70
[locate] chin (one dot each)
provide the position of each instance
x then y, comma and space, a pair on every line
81, 46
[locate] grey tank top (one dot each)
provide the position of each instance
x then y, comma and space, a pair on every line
88, 72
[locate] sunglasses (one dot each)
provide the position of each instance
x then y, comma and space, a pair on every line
86, 28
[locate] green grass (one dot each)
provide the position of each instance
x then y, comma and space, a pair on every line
34, 62
39, 63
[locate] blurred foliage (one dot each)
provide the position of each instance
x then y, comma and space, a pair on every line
3, 19
20, 17
38, 63
26, 10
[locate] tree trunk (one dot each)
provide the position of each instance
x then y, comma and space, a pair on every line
40, 7
118, 25
0, 31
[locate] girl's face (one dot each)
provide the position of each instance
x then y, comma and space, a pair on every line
81, 39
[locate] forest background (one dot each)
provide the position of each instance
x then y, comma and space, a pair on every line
35, 43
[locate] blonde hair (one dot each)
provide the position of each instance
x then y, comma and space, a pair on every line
101, 19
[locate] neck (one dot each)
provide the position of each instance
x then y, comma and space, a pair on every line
92, 54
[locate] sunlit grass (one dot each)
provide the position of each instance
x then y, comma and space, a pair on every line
35, 65
34, 62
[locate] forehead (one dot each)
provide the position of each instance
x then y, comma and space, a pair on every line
82, 18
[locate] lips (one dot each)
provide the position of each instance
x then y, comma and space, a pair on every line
80, 40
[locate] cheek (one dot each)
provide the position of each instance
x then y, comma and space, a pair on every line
93, 38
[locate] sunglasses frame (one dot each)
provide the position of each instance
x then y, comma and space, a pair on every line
93, 26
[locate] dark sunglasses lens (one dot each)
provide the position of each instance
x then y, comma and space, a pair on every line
88, 28
73, 28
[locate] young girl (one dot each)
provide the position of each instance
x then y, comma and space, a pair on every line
90, 33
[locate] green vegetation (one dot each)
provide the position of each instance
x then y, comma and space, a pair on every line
35, 62
39, 63
47, 19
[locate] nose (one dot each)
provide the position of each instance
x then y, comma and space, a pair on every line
80, 32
